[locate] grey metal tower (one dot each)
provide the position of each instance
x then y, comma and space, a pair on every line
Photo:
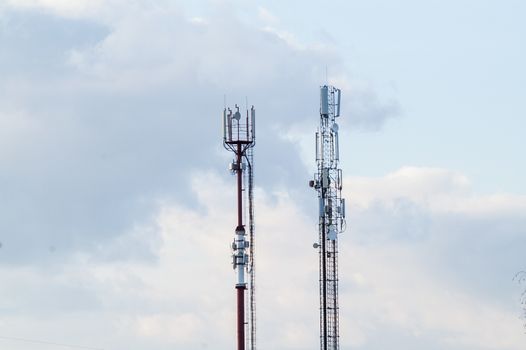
239, 136
328, 183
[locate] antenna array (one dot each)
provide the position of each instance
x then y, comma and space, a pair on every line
239, 137
328, 183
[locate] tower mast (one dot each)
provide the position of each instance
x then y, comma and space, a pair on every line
239, 137
328, 184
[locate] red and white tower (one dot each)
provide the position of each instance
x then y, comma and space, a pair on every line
239, 137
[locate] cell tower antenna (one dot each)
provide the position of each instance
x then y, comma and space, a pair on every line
328, 184
239, 137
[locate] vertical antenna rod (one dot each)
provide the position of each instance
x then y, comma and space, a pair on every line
239, 138
328, 184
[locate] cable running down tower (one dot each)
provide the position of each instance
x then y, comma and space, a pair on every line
239, 137
328, 183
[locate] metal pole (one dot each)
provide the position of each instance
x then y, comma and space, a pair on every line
240, 317
240, 287
239, 188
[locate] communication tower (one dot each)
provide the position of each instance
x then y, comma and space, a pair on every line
328, 183
239, 137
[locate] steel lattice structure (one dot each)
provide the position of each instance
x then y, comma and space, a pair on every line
251, 251
328, 184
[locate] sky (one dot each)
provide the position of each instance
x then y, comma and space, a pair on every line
118, 209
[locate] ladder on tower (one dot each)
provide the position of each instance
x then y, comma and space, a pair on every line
252, 252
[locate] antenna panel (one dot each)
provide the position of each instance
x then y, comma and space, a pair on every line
324, 100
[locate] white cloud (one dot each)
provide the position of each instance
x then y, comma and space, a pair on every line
76, 9
180, 329
266, 16
428, 246
15, 126
416, 183
400, 291
189, 288
439, 190
112, 101
95, 155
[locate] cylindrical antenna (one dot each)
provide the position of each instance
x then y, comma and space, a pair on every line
224, 125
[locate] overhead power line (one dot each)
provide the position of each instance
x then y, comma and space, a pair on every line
42, 342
